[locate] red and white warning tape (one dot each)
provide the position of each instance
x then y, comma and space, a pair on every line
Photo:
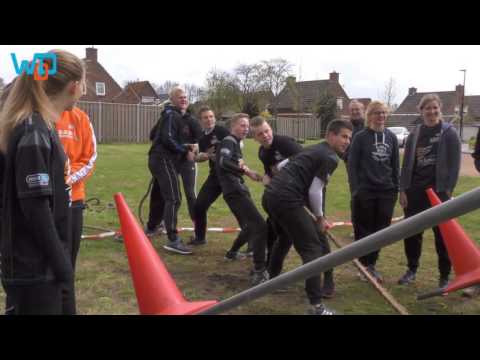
225, 230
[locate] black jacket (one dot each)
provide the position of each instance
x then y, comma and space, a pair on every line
36, 207
447, 168
282, 148
476, 152
357, 127
228, 170
172, 133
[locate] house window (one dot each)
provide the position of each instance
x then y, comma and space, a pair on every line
340, 103
100, 88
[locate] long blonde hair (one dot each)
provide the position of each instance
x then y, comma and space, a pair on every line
28, 95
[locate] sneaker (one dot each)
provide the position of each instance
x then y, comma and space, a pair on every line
320, 309
407, 278
153, 232
443, 282
234, 255
258, 277
471, 291
194, 242
177, 247
371, 269
248, 253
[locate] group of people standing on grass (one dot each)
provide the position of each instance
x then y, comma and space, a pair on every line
47, 151
48, 147
295, 180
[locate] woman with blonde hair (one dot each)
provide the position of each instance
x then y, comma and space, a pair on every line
432, 159
35, 265
373, 171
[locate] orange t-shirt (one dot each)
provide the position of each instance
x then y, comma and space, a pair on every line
76, 134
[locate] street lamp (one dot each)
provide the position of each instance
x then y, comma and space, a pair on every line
463, 101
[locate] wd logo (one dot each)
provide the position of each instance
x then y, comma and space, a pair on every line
38, 68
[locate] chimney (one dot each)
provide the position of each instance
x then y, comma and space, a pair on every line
412, 91
459, 92
92, 54
334, 76
292, 79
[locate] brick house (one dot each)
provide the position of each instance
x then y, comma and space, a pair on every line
138, 92
408, 115
101, 87
309, 92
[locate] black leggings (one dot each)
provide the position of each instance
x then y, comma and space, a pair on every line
254, 228
209, 192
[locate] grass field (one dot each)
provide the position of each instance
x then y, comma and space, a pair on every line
104, 283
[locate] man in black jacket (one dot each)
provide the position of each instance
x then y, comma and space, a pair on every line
300, 184
475, 290
273, 150
168, 150
230, 170
476, 152
211, 189
357, 118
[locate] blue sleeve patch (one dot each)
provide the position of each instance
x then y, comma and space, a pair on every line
39, 180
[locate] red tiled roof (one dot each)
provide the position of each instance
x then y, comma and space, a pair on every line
97, 73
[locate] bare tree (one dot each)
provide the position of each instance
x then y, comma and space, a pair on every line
193, 92
248, 79
165, 87
274, 75
2, 83
389, 93
221, 92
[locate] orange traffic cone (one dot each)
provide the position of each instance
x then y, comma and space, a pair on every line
462, 251
157, 293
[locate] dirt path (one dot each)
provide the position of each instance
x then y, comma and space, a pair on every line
468, 168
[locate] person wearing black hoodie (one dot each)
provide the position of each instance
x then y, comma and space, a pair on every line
212, 136
231, 168
170, 148
373, 171
476, 152
357, 118
431, 160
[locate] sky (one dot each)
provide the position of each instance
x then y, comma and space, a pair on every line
364, 69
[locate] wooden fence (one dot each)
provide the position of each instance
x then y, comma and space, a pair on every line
130, 123
126, 123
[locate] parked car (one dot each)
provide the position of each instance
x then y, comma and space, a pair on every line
401, 133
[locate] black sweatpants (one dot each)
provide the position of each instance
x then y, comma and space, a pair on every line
164, 172
252, 224
38, 299
282, 246
373, 212
310, 244
157, 206
208, 194
188, 171
68, 290
418, 202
